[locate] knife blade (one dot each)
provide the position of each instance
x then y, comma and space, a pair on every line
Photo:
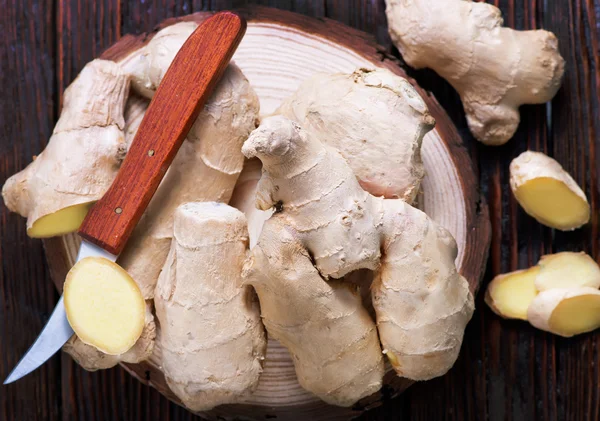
184, 90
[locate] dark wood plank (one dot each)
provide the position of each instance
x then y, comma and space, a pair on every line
27, 114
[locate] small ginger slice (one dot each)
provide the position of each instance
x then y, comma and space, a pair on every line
104, 305
567, 270
509, 294
566, 311
547, 192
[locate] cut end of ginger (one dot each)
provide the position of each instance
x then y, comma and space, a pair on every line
566, 312
567, 270
104, 305
509, 295
62, 222
547, 192
553, 204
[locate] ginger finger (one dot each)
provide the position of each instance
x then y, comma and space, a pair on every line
379, 129
494, 69
212, 339
82, 158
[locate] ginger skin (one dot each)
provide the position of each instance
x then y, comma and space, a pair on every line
547, 192
421, 302
212, 339
494, 69
382, 142
82, 158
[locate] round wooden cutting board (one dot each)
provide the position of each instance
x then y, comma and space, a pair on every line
279, 51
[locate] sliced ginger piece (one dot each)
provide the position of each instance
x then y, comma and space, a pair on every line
60, 222
104, 305
567, 270
566, 311
547, 192
509, 294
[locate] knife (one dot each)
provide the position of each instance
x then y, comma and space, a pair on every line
185, 88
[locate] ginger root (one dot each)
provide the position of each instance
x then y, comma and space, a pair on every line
330, 226
82, 158
331, 337
379, 129
566, 311
104, 305
212, 339
494, 69
547, 192
559, 295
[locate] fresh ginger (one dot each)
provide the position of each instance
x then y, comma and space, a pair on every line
212, 339
560, 294
82, 158
104, 305
566, 311
379, 129
330, 335
494, 69
329, 224
509, 294
547, 192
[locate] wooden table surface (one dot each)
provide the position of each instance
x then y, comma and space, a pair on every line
506, 371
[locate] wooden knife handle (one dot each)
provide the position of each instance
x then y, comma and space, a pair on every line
184, 90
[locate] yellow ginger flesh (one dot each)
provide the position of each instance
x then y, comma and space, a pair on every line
61, 222
552, 203
510, 294
104, 305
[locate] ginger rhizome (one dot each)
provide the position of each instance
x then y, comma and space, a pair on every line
547, 192
82, 158
494, 69
104, 305
379, 129
560, 294
212, 339
330, 226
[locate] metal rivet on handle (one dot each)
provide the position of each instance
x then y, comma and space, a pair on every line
119, 211
151, 152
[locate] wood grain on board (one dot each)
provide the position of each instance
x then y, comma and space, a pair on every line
507, 370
